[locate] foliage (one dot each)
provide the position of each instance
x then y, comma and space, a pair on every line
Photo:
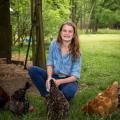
105, 14
107, 18
20, 19
54, 13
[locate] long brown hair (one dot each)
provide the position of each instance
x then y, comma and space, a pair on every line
74, 47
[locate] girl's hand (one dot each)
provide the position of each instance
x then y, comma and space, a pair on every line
48, 84
58, 82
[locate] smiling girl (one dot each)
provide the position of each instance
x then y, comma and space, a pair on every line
64, 63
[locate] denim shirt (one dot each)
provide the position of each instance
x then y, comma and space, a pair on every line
63, 64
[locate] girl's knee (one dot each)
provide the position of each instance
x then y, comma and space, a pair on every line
69, 90
34, 70
69, 93
31, 69
37, 73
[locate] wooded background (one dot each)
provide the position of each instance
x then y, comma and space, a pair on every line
44, 17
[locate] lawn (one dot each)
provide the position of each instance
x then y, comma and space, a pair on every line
100, 67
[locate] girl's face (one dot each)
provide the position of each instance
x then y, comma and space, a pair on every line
67, 33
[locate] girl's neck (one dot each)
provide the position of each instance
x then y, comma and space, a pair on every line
65, 44
65, 47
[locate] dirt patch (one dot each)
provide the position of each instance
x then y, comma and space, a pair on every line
13, 77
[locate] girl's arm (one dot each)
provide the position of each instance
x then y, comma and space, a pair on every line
65, 80
49, 71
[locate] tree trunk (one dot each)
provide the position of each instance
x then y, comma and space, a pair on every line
33, 22
91, 15
5, 30
40, 49
73, 11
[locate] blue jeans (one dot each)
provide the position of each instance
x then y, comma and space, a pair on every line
39, 77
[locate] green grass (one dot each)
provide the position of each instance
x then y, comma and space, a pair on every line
108, 31
100, 67
101, 31
101, 55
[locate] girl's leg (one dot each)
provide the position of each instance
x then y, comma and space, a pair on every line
69, 90
39, 77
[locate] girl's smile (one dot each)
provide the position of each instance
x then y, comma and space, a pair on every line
67, 33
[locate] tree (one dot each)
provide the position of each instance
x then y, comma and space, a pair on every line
108, 13
55, 12
92, 20
39, 35
20, 20
73, 11
5, 30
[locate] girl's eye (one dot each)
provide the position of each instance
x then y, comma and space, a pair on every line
64, 30
69, 31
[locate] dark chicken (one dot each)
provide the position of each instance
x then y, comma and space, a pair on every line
4, 97
19, 103
57, 104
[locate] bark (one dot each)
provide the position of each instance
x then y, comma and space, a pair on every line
73, 11
90, 16
33, 21
40, 49
5, 30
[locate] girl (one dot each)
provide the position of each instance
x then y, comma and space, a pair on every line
64, 62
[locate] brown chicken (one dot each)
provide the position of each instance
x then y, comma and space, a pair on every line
119, 97
105, 102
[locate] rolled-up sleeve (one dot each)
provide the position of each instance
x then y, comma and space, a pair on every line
76, 68
50, 56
